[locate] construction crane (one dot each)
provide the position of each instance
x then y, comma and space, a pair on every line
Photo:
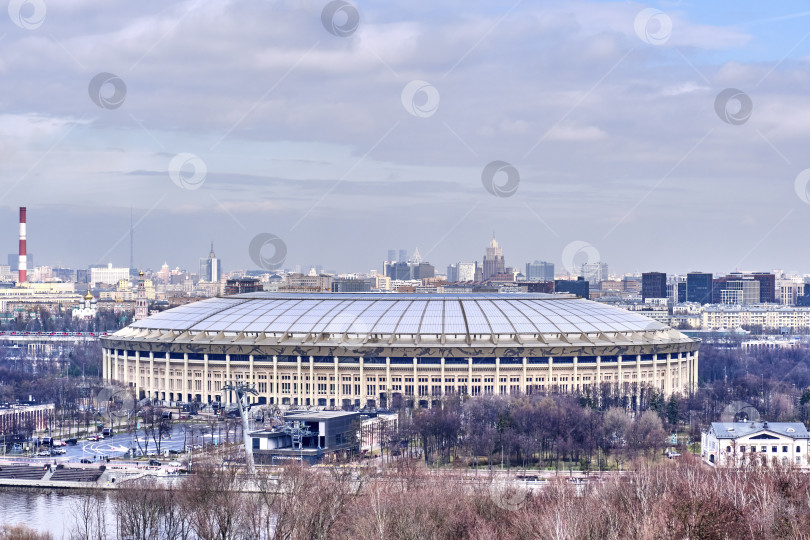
241, 389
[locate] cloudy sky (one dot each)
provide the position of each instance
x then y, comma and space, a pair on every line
665, 136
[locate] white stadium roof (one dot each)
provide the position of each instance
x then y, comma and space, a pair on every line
383, 317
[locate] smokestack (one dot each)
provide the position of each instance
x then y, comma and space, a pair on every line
23, 268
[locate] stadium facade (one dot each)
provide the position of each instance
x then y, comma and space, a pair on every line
368, 349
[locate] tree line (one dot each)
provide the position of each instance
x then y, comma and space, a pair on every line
672, 500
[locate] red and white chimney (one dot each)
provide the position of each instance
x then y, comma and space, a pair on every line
23, 265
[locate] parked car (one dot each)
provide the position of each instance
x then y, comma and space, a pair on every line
85, 460
154, 463
44, 453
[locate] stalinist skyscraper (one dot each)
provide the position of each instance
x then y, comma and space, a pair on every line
493, 260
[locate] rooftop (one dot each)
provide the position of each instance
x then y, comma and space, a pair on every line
734, 430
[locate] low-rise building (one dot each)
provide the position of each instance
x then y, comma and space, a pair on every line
306, 436
735, 444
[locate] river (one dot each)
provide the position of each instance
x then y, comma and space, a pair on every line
49, 510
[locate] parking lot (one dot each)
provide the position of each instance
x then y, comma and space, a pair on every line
120, 445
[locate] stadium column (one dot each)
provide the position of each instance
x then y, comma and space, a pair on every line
694, 371
227, 377
114, 361
276, 384
167, 395
186, 379
312, 381
668, 376
151, 375
250, 374
338, 387
415, 384
620, 382
523, 388
575, 386
469, 376
138, 378
362, 381
300, 386
441, 389
638, 380
389, 387
598, 380
126, 368
498, 374
550, 371
205, 381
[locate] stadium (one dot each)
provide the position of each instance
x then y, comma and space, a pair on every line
383, 350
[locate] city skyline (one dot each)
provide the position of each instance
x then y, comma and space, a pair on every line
600, 123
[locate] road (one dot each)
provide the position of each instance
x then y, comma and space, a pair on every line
119, 445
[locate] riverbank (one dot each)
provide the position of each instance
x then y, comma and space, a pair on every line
24, 475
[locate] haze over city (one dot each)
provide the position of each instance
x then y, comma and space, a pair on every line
348, 137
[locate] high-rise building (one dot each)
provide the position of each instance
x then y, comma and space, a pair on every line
403, 256
210, 269
108, 275
242, 285
699, 287
461, 271
467, 271
392, 254
540, 271
493, 260
653, 285
414, 268
767, 284
141, 308
579, 287
594, 273
14, 261
740, 291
